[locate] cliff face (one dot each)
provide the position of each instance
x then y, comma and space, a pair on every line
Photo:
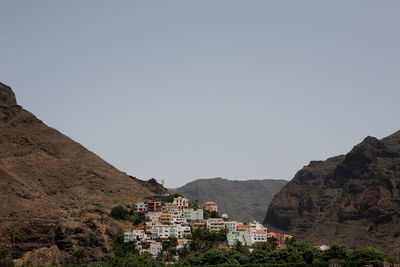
352, 199
53, 191
242, 200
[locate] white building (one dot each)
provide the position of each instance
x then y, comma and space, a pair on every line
182, 243
135, 235
193, 215
141, 207
153, 216
258, 236
254, 225
177, 217
215, 224
168, 207
155, 248
186, 231
167, 231
231, 226
243, 237
148, 224
323, 247
178, 220
181, 202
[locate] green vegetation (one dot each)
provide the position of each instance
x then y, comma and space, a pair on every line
210, 214
119, 213
122, 249
205, 235
137, 218
168, 198
5, 259
297, 254
125, 213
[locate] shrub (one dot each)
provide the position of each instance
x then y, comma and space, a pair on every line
5, 259
366, 255
119, 213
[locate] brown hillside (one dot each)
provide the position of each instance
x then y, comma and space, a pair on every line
53, 191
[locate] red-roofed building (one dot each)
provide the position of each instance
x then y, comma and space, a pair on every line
153, 205
210, 206
258, 236
181, 203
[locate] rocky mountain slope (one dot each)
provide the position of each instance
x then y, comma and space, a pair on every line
242, 200
54, 193
352, 199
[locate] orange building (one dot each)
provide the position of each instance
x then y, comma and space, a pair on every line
280, 238
181, 202
166, 217
210, 206
199, 225
244, 227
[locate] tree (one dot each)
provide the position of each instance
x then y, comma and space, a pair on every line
137, 218
268, 246
309, 255
122, 249
5, 259
145, 260
169, 249
259, 256
239, 247
366, 255
119, 213
336, 252
215, 256
285, 255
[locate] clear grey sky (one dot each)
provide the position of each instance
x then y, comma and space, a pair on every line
180, 90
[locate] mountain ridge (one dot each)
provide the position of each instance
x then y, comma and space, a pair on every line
243, 201
351, 199
54, 193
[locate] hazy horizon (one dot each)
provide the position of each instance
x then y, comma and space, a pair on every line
180, 90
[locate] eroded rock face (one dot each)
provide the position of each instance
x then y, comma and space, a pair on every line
7, 96
352, 199
53, 191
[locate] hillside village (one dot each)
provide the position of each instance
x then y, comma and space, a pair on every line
177, 218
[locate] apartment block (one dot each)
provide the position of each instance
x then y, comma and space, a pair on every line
243, 237
215, 224
193, 215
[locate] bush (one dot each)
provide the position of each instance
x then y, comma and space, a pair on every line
122, 249
145, 260
119, 213
5, 259
336, 252
137, 219
366, 255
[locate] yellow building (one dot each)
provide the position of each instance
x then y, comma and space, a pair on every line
166, 217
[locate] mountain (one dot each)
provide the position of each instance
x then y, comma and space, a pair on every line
54, 193
351, 199
242, 200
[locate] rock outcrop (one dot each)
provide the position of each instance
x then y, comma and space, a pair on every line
54, 193
352, 199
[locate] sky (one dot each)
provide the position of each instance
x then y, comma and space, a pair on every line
182, 90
